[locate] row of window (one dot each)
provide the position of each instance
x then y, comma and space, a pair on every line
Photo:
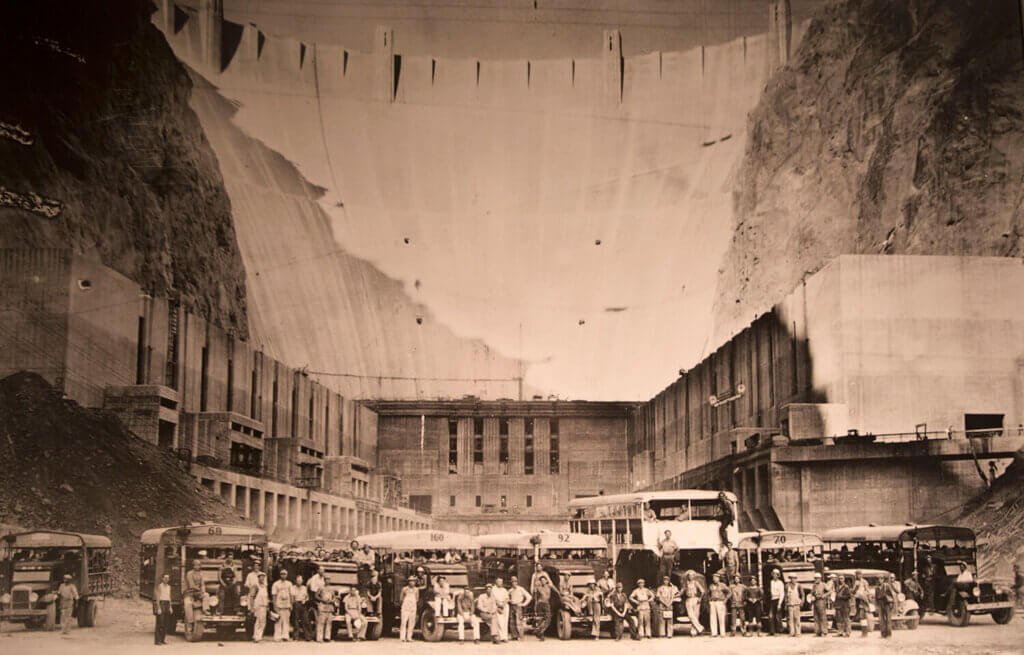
502, 501
554, 455
478, 426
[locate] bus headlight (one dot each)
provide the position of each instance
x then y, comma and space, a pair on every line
977, 592
33, 597
5, 599
214, 601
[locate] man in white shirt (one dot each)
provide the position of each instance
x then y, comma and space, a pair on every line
777, 596
162, 609
282, 594
300, 610
259, 601
500, 595
252, 580
518, 599
316, 581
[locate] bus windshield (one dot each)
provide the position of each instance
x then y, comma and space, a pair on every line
572, 553
683, 510
445, 555
41, 555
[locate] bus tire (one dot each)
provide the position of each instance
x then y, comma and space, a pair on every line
912, 621
194, 631
564, 626
430, 627
87, 613
1003, 616
374, 631
957, 613
50, 623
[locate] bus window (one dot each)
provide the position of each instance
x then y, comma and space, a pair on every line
636, 531
147, 570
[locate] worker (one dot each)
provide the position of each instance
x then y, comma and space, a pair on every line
607, 583
668, 548
282, 594
913, 591
229, 594
518, 599
929, 574
465, 610
737, 607
965, 575
316, 581
300, 613
408, 601
885, 600
228, 565
819, 604
501, 610
730, 562
861, 595
324, 612
162, 611
844, 596
538, 572
717, 595
542, 604
487, 610
641, 599
442, 601
667, 594
618, 604
692, 594
355, 622
372, 593
593, 599
259, 602
794, 600
776, 602
753, 601
365, 556
726, 516
193, 592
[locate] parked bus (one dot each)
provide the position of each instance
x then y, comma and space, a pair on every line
914, 551
173, 551
341, 573
428, 555
790, 553
633, 523
33, 565
579, 557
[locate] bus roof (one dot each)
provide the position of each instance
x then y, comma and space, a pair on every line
419, 540
778, 539
312, 544
209, 535
871, 532
51, 538
546, 539
644, 496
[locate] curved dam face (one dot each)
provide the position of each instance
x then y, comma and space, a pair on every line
423, 217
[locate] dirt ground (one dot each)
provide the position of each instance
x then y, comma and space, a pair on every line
125, 626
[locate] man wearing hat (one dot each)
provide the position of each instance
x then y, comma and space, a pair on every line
737, 613
542, 604
794, 599
259, 603
487, 610
641, 599
843, 597
161, 609
717, 593
409, 602
776, 602
667, 595
861, 594
819, 600
885, 600
68, 595
692, 593
465, 610
593, 599
283, 594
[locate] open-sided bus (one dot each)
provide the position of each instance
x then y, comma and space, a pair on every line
906, 549
579, 557
790, 553
632, 524
341, 573
33, 565
428, 555
173, 551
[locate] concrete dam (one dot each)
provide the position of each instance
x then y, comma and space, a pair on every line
542, 182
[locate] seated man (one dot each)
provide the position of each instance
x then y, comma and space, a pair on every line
442, 602
229, 594
354, 615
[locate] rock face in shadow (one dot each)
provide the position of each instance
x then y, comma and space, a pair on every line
100, 151
896, 128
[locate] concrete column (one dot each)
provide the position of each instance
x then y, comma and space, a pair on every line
805, 497
261, 508
211, 20
758, 482
270, 513
611, 56
285, 501
167, 17
230, 498
384, 64
247, 502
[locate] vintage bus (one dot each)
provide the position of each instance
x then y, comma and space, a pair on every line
632, 524
33, 565
909, 551
173, 551
579, 557
428, 555
341, 572
789, 553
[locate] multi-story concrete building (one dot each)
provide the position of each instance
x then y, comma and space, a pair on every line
876, 392
286, 451
494, 466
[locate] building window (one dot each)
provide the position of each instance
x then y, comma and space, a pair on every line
295, 407
478, 426
504, 501
478, 449
554, 427
503, 427
204, 379
231, 380
310, 433
528, 455
529, 500
273, 408
453, 455
253, 386
554, 453
478, 501
451, 501
503, 454
528, 426
983, 425
453, 427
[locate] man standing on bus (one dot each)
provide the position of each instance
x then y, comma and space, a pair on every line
730, 561
641, 599
692, 594
518, 599
726, 516
668, 548
861, 594
667, 595
776, 600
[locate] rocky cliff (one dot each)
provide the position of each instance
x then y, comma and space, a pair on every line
100, 151
895, 128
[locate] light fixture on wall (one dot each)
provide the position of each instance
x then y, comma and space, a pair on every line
728, 396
